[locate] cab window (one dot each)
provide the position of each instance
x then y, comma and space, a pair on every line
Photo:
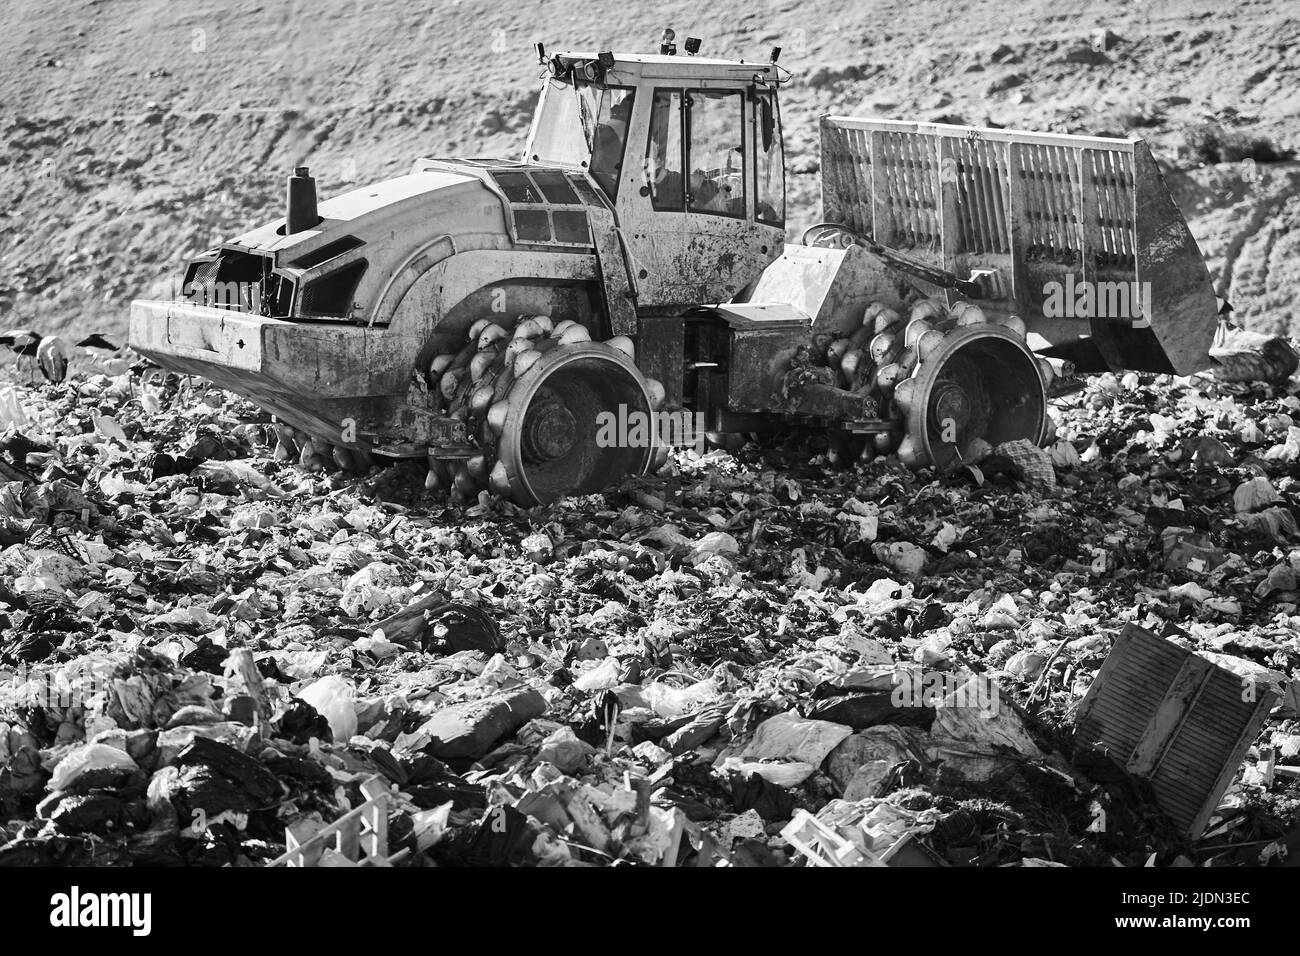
613, 113
662, 171
583, 125
769, 191
715, 152
557, 135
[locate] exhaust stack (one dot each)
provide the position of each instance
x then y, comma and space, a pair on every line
300, 200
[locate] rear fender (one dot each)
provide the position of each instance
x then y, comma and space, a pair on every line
438, 305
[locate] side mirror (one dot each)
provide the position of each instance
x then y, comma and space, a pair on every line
767, 122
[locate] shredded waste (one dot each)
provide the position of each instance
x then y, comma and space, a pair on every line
747, 658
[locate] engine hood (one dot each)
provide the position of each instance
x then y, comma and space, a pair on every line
412, 204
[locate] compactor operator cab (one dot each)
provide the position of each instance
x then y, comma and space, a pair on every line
688, 153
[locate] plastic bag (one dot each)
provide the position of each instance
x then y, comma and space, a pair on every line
670, 702
1253, 494
85, 759
602, 676
11, 410
334, 699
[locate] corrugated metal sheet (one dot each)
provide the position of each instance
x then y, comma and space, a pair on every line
1175, 719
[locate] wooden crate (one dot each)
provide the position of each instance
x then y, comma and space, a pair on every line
1174, 719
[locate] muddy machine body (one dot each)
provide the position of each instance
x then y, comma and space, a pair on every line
492, 314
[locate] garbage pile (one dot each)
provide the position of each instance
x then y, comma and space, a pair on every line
746, 659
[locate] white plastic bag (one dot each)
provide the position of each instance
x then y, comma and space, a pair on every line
334, 699
11, 410
669, 702
84, 759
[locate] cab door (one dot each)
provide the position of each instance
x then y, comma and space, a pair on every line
688, 219
726, 247
651, 200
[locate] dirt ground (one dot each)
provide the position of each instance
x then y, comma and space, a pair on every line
135, 133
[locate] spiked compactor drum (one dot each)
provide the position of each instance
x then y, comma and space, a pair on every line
979, 383
549, 445
552, 413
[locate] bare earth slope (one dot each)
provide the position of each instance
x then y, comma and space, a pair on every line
134, 133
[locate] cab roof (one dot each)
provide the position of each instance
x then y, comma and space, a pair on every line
681, 65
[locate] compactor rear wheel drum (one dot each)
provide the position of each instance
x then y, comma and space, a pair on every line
980, 384
552, 413
549, 445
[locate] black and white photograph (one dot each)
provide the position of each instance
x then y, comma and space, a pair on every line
460, 434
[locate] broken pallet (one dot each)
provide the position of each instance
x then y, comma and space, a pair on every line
358, 838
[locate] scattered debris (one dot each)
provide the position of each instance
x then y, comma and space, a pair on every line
216, 667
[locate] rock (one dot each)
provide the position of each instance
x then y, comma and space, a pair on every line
1010, 81
471, 729
1086, 55
1242, 356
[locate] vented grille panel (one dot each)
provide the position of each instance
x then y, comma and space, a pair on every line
1173, 718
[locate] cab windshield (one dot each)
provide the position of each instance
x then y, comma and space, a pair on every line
584, 125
